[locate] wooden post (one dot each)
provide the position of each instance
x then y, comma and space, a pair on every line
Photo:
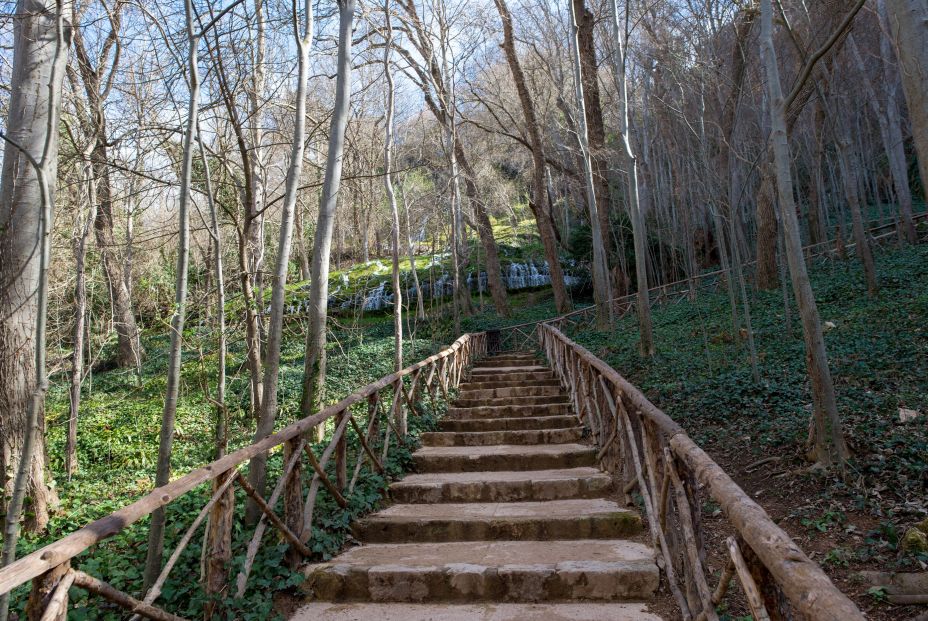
42, 589
218, 547
293, 498
341, 456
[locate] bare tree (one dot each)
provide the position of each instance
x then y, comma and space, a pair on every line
829, 438
314, 364
257, 472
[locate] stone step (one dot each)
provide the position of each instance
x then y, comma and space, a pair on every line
483, 385
548, 520
486, 438
508, 370
467, 402
503, 457
508, 411
523, 423
508, 361
514, 571
568, 611
516, 390
510, 375
501, 486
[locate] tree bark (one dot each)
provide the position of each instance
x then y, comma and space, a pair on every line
602, 292
908, 22
40, 40
539, 201
314, 365
129, 351
646, 345
829, 438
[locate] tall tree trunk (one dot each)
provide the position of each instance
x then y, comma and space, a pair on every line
399, 413
850, 174
596, 127
646, 346
169, 413
129, 351
829, 438
767, 276
27, 192
314, 365
539, 201
219, 524
907, 21
79, 248
602, 292
257, 471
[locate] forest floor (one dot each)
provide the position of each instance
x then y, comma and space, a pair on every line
878, 352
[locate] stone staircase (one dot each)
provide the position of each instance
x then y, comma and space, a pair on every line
507, 519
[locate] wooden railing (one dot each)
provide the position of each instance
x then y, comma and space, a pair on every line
653, 458
384, 404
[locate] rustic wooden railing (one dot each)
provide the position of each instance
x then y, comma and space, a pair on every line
384, 404
653, 457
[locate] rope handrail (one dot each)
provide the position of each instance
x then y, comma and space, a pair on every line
50, 565
644, 447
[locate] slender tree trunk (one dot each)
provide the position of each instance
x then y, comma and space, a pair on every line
82, 235
257, 471
539, 201
907, 21
314, 365
399, 412
767, 277
646, 346
602, 292
829, 438
420, 303
850, 174
169, 414
219, 524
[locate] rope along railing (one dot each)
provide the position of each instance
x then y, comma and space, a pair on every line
524, 335
651, 456
385, 404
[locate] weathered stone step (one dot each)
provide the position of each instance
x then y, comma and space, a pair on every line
501, 486
503, 457
496, 521
513, 423
516, 390
486, 438
511, 374
508, 411
467, 402
514, 571
569, 611
507, 362
502, 383
485, 371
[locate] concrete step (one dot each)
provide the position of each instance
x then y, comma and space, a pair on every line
468, 402
516, 390
483, 385
521, 423
508, 411
513, 571
580, 611
503, 457
502, 486
507, 361
486, 438
494, 521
